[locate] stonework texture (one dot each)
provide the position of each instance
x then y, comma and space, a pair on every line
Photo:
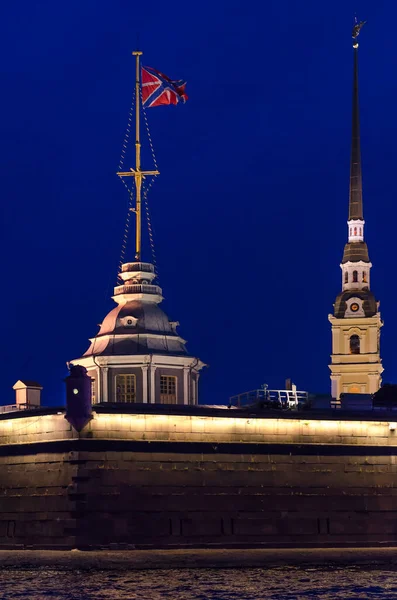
158, 481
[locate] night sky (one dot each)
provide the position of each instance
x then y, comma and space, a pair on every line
251, 206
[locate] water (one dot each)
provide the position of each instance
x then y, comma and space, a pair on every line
200, 584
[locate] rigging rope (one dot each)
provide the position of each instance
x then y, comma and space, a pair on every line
146, 191
130, 191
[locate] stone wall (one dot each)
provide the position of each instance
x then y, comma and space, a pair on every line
157, 480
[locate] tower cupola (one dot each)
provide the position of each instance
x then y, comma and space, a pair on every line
137, 284
137, 354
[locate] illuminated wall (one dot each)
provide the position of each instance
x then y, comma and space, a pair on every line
144, 481
144, 427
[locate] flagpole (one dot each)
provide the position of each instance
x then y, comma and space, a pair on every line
138, 173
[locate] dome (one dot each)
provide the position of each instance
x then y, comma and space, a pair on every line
137, 327
147, 318
354, 252
370, 305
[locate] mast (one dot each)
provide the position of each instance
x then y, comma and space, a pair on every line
138, 177
137, 173
356, 186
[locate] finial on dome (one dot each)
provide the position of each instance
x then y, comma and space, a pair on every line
356, 31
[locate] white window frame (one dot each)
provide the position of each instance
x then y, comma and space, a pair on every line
93, 391
165, 397
125, 394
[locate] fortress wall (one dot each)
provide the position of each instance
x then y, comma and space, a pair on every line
171, 498
192, 428
175, 481
36, 508
236, 430
35, 428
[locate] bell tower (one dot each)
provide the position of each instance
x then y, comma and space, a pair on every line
356, 365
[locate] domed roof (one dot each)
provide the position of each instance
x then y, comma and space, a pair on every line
355, 251
137, 327
370, 305
146, 316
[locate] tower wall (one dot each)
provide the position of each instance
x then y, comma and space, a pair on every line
161, 480
355, 372
148, 373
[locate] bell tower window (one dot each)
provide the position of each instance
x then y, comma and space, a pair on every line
168, 389
354, 344
355, 276
364, 277
346, 277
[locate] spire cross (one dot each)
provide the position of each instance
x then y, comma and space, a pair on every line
137, 173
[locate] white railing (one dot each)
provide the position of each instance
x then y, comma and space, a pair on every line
283, 398
137, 266
137, 288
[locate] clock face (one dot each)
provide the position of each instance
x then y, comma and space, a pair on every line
354, 307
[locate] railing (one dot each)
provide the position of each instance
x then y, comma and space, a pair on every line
281, 398
138, 288
131, 267
16, 407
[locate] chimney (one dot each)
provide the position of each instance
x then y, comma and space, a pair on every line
27, 393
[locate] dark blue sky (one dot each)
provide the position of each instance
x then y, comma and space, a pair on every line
250, 209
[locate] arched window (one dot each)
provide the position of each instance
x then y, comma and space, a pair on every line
354, 389
354, 344
364, 277
346, 277
355, 276
355, 231
361, 231
350, 232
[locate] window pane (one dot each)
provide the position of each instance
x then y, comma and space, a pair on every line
354, 344
168, 389
125, 388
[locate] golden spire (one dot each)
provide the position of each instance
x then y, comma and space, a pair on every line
137, 173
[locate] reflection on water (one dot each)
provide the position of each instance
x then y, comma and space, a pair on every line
201, 584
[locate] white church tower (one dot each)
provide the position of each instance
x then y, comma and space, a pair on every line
356, 366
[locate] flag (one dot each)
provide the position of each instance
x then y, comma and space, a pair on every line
159, 89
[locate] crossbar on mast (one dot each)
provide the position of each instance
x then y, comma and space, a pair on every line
137, 173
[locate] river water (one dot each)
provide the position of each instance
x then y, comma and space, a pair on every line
200, 584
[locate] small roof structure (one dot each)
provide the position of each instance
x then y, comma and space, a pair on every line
26, 383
